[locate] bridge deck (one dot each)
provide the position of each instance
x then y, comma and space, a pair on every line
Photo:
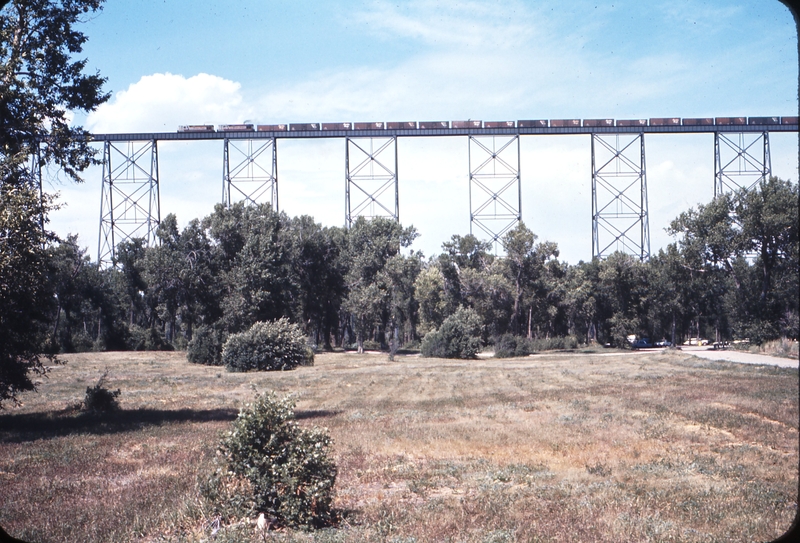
387, 133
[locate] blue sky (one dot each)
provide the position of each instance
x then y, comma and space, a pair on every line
187, 62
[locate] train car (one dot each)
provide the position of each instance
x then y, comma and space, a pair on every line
236, 128
788, 120
723, 121
665, 121
196, 128
272, 127
702, 121
561, 123
370, 126
540, 123
405, 125
302, 127
499, 124
598, 122
337, 126
433, 124
466, 124
631, 122
764, 120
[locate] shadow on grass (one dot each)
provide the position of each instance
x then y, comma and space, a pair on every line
18, 428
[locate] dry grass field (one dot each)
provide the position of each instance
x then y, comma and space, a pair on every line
590, 447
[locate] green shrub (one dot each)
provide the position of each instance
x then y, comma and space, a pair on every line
147, 339
457, 337
509, 345
553, 343
99, 399
275, 345
271, 465
205, 347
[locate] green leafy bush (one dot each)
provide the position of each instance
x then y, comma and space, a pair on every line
99, 399
275, 345
147, 339
459, 336
271, 465
509, 345
205, 347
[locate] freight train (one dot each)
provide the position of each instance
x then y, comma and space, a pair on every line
450, 125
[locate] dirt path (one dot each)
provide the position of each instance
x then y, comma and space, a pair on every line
743, 358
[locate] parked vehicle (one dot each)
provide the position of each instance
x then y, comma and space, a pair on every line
664, 343
642, 343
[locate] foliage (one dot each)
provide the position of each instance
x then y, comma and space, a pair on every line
39, 83
509, 345
274, 345
272, 465
205, 347
25, 300
99, 399
458, 337
148, 339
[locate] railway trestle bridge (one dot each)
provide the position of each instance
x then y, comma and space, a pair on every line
130, 198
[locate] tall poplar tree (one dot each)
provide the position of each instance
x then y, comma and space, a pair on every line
41, 82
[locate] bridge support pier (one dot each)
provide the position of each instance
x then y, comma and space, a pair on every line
619, 196
130, 202
371, 179
250, 172
495, 190
741, 160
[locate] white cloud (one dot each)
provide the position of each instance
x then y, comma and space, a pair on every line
162, 102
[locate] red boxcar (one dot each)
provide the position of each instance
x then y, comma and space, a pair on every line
337, 126
598, 122
466, 124
632, 122
703, 121
541, 123
560, 123
764, 120
788, 120
730, 120
236, 128
272, 127
433, 124
302, 127
498, 124
665, 121
370, 126
397, 125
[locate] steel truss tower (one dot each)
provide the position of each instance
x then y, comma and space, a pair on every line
370, 174
250, 172
619, 196
495, 190
741, 160
130, 202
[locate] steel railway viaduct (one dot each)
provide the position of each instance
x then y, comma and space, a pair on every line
130, 199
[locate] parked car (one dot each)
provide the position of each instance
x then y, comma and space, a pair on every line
695, 341
664, 343
642, 343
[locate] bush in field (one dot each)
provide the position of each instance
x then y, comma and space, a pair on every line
459, 336
271, 465
509, 345
147, 339
99, 399
553, 343
275, 345
205, 347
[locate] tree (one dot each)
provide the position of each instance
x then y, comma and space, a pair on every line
40, 82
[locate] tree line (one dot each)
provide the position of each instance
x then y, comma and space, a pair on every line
732, 273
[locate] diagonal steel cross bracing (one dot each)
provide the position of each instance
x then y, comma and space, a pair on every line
130, 203
371, 179
495, 192
741, 160
250, 172
619, 196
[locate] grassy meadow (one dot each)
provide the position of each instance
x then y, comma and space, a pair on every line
594, 447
